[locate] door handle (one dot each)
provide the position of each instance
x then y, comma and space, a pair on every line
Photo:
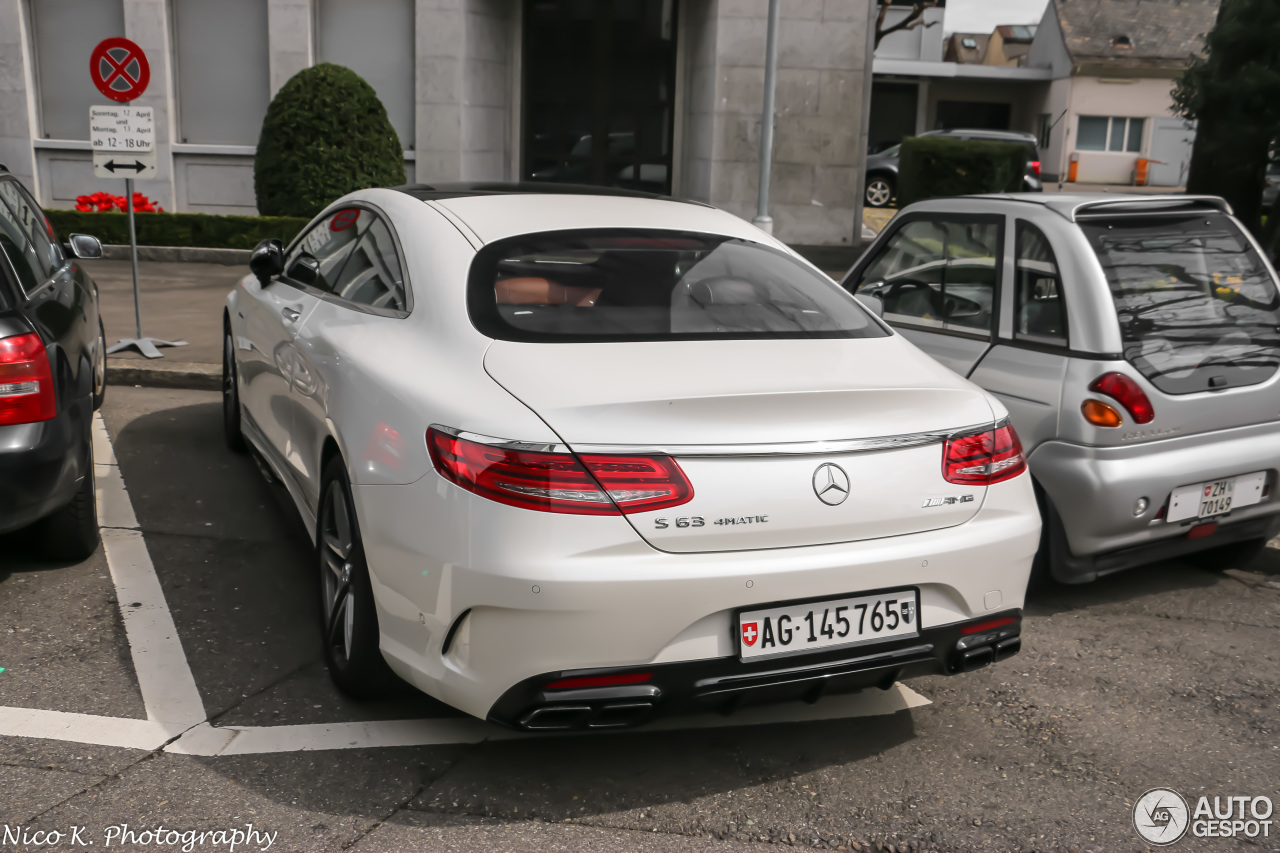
290, 314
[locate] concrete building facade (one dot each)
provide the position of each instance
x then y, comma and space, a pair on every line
662, 95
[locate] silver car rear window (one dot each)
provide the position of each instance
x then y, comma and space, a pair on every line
1197, 306
651, 285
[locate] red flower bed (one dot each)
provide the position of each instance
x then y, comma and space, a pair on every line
103, 202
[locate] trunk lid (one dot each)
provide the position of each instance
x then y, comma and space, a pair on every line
755, 426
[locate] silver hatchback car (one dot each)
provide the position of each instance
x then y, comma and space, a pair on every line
1135, 341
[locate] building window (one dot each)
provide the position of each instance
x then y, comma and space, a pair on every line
374, 38
221, 102
64, 33
1115, 133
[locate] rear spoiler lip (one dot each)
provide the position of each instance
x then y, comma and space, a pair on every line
1098, 207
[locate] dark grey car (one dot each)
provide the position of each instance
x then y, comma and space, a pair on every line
882, 168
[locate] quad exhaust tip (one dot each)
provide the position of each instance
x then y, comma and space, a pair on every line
605, 715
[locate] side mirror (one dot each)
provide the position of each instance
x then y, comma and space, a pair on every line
85, 247
305, 269
872, 303
267, 260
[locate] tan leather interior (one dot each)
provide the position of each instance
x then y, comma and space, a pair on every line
533, 290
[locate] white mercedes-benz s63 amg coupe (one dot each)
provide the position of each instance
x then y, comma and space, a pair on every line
574, 457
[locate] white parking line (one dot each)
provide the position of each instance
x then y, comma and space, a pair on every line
175, 711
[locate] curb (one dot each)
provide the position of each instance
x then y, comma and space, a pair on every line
172, 374
179, 254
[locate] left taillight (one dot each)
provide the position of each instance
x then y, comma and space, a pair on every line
559, 481
26, 382
983, 458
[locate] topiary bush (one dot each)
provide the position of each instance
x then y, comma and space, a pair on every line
939, 166
325, 134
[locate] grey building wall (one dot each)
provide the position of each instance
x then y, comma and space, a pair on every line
466, 107
820, 132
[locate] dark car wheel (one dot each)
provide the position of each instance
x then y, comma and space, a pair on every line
230, 396
348, 620
71, 533
100, 369
879, 191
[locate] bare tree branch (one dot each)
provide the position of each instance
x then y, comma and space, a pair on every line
910, 22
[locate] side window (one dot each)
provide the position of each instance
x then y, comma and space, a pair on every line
937, 273
31, 236
22, 255
1040, 312
373, 275
319, 256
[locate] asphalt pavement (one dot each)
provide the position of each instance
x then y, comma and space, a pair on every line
1162, 676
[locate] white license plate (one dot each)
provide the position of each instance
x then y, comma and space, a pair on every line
1216, 497
818, 625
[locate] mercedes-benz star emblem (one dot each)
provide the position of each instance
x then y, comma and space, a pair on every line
831, 484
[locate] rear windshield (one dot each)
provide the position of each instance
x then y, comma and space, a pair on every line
1197, 307
648, 285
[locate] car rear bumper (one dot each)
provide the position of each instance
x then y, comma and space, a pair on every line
1095, 490
42, 464
728, 684
468, 617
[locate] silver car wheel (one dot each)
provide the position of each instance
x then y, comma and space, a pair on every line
337, 591
100, 366
878, 192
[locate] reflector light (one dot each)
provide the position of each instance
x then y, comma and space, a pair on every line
1100, 414
983, 458
1202, 530
26, 382
560, 482
987, 626
600, 681
1128, 392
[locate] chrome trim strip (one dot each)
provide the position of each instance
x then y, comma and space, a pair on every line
797, 448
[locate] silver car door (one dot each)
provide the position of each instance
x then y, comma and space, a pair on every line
1027, 367
937, 277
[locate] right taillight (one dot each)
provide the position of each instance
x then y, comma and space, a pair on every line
559, 482
1129, 394
26, 382
1035, 168
983, 458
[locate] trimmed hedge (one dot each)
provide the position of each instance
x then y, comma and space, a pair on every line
325, 134
201, 230
939, 166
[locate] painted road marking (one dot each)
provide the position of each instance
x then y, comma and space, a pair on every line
176, 718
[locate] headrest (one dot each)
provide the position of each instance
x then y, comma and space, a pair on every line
533, 290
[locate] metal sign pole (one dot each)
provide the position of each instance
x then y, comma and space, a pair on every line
762, 219
133, 258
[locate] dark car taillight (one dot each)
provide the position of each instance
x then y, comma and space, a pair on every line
26, 383
983, 458
1035, 168
1128, 393
560, 482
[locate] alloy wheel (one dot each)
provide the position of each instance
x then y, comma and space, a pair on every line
878, 192
337, 552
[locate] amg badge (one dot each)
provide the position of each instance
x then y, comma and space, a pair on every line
951, 499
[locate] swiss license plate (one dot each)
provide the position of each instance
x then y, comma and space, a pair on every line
817, 625
1216, 497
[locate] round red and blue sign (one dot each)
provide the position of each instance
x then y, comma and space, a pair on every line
119, 69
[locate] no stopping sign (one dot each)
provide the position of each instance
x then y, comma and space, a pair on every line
119, 69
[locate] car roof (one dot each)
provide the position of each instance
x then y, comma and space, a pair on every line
496, 211
1019, 135
1074, 206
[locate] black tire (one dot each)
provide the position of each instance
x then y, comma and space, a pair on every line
100, 369
231, 395
71, 533
1235, 555
348, 620
880, 191
1041, 566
